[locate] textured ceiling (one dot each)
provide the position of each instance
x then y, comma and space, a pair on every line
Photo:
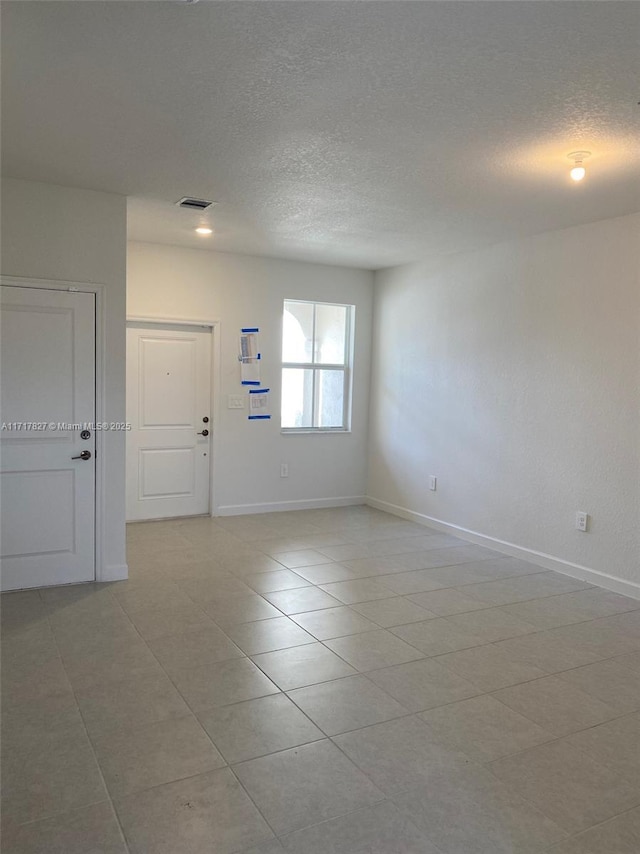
361, 133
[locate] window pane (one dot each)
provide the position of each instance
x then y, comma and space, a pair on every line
297, 397
297, 332
331, 321
330, 399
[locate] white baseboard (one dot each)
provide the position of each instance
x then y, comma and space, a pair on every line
575, 570
113, 572
278, 506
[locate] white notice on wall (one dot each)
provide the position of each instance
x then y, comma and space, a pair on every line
259, 404
249, 356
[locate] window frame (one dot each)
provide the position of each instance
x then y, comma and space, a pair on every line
315, 367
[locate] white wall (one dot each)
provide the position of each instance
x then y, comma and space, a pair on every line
51, 232
513, 375
172, 282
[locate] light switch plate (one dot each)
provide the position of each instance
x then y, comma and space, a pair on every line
235, 401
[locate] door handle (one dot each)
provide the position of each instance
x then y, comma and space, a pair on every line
204, 433
85, 455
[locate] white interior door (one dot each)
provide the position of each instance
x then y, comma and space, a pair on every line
47, 492
169, 409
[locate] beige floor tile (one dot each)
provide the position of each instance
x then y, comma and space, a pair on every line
351, 592
199, 815
131, 703
379, 829
301, 600
548, 651
258, 727
491, 624
570, 787
357, 551
396, 611
24, 724
608, 681
334, 623
489, 668
56, 774
615, 744
400, 754
373, 650
223, 683
305, 785
160, 623
240, 609
203, 591
572, 607
620, 835
161, 595
370, 567
28, 650
274, 846
83, 831
301, 557
484, 728
521, 588
416, 581
193, 649
268, 635
249, 564
603, 638
446, 602
463, 574
346, 704
271, 582
631, 660
109, 663
469, 810
78, 613
438, 636
147, 756
424, 684
300, 666
22, 606
555, 705
326, 573
34, 683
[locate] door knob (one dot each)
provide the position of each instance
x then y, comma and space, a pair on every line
204, 433
85, 455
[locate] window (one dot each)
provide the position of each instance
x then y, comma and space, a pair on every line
316, 353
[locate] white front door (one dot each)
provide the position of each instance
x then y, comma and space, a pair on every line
169, 410
47, 492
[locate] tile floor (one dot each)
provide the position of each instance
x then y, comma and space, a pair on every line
329, 681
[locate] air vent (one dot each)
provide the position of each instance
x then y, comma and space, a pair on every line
194, 204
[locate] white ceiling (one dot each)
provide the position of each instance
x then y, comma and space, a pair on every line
359, 133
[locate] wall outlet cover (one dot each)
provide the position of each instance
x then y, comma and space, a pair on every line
235, 401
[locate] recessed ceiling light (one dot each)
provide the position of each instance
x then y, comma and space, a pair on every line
204, 230
578, 171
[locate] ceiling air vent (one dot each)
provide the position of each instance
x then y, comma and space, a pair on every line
194, 204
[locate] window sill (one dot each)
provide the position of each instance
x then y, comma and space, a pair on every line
302, 431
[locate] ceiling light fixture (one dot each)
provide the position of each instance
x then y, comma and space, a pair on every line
204, 230
578, 171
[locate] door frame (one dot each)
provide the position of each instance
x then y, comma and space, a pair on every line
101, 572
215, 381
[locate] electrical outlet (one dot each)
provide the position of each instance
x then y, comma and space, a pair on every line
582, 521
284, 469
433, 483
